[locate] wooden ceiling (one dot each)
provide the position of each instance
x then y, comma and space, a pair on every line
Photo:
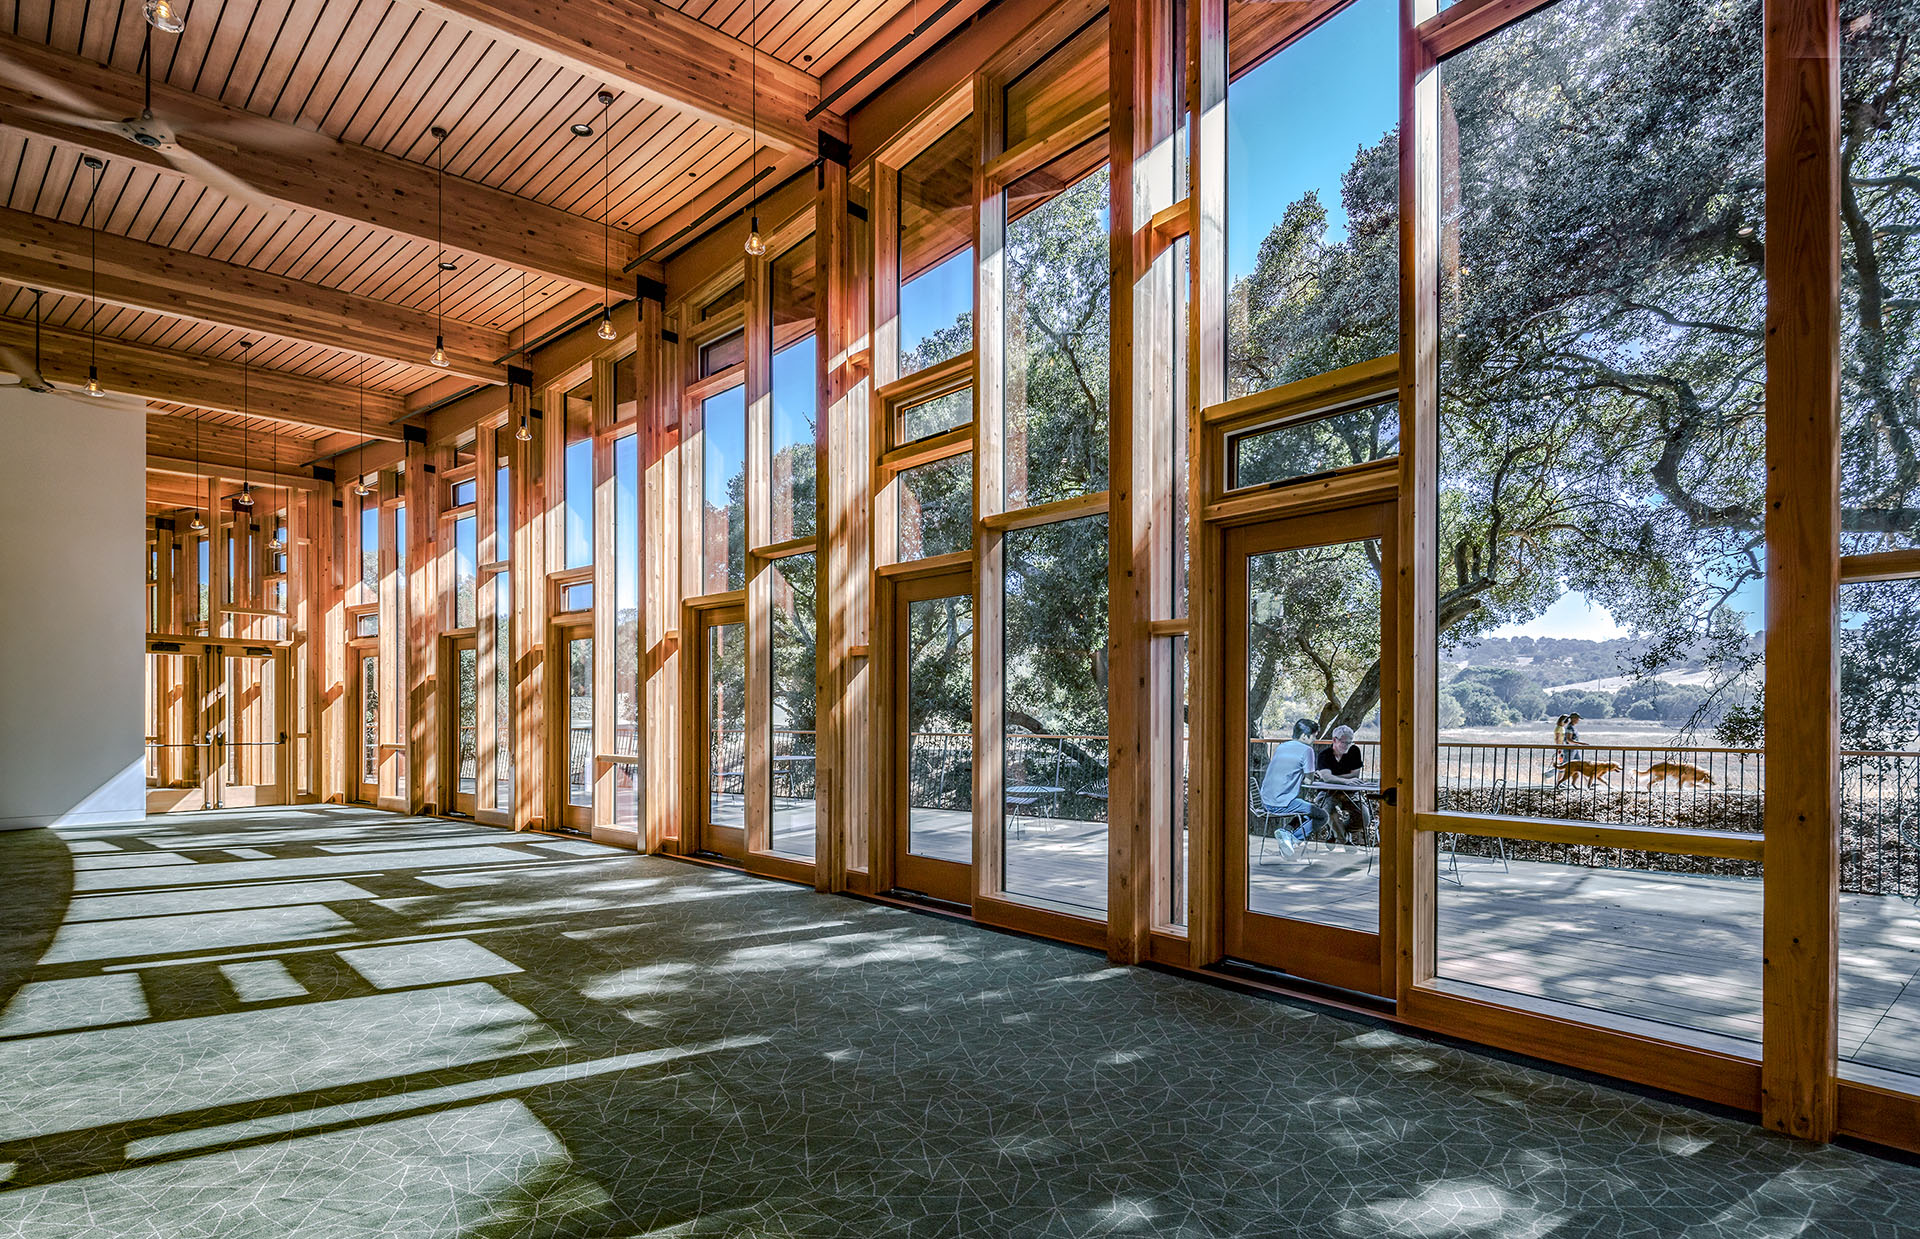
305, 220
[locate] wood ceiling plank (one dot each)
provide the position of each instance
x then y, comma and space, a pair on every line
310, 171
203, 382
648, 47
47, 253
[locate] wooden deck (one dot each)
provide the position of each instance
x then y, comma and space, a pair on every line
1676, 948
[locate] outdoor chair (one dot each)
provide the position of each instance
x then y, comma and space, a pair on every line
1450, 841
1270, 821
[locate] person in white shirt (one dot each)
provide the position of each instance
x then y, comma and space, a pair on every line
1291, 763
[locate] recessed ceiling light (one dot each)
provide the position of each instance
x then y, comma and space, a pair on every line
581, 129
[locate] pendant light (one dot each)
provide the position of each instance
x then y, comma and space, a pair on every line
197, 524
93, 387
276, 543
162, 16
245, 498
439, 355
360, 486
524, 433
756, 245
605, 329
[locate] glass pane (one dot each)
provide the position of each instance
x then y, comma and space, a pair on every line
369, 546
577, 597
1178, 815
580, 721
1299, 449
1879, 639
1880, 277
1602, 439
936, 250
502, 514
463, 494
370, 719
579, 477
466, 573
467, 742
367, 625
502, 694
626, 388
728, 350
936, 508
940, 728
1674, 939
795, 391
626, 594
1054, 826
723, 421
795, 581
1313, 729
1313, 205
727, 725
1058, 285
930, 417
1072, 79
371, 577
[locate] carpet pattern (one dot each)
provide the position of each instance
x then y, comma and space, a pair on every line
334, 1022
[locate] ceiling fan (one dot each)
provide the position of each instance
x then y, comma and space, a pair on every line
23, 373
154, 132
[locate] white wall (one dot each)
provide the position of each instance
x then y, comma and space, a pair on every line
72, 611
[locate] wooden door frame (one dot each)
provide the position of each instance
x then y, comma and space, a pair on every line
359, 790
696, 833
450, 646
891, 863
1349, 959
560, 808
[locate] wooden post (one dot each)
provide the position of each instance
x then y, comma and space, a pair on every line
1799, 1035
836, 793
528, 625
424, 675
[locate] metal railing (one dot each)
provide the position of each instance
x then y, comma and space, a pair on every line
791, 758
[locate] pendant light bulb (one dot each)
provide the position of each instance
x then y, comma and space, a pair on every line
93, 382
525, 432
756, 244
276, 542
196, 525
245, 498
605, 329
439, 355
361, 488
162, 16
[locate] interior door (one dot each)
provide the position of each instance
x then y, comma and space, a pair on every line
722, 805
932, 761
1308, 608
570, 727
252, 728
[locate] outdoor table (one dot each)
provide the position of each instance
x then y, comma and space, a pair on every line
1025, 796
785, 764
1361, 790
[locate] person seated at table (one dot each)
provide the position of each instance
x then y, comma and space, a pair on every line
1288, 768
1342, 762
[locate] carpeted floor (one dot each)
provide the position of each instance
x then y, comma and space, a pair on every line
342, 1023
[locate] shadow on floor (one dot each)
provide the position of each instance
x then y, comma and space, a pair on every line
343, 1023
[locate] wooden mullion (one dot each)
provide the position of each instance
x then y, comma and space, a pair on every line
759, 580
1800, 1004
1067, 509
1442, 32
989, 496
928, 450
1726, 845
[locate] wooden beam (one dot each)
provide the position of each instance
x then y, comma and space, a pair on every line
301, 168
729, 197
231, 471
37, 252
1799, 979
659, 52
890, 49
202, 382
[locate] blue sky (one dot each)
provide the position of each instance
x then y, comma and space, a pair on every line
1294, 123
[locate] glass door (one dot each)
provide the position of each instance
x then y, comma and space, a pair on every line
570, 729
932, 625
252, 729
366, 778
464, 719
722, 807
1308, 605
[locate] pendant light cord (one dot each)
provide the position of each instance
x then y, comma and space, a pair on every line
440, 240
606, 218
93, 261
246, 415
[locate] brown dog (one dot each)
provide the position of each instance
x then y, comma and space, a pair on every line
1591, 771
1686, 774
